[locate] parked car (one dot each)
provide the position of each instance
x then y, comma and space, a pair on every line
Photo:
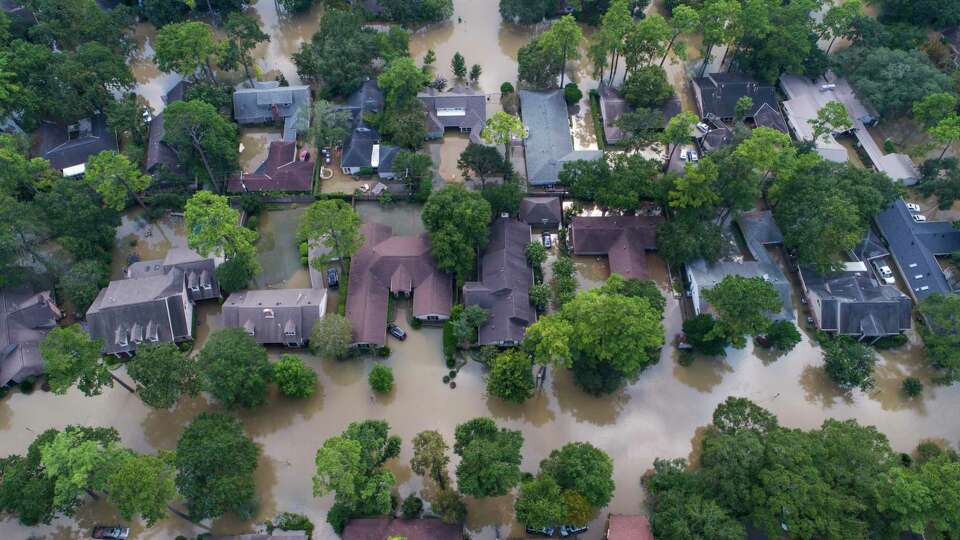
110, 532
683, 155
544, 531
703, 127
547, 240
913, 207
886, 275
571, 530
396, 332
692, 155
333, 278
919, 218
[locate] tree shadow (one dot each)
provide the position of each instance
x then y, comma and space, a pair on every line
703, 374
535, 410
162, 427
818, 388
600, 411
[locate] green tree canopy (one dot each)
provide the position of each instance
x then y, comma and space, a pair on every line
234, 368
213, 227
143, 485
71, 357
163, 374
334, 224
849, 363
511, 376
891, 80
457, 221
187, 47
489, 458
430, 457
204, 139
339, 56
293, 377
941, 335
540, 503
78, 460
331, 336
243, 35
583, 468
381, 378
743, 304
116, 179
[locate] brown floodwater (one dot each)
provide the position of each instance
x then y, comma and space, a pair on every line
146, 240
445, 153
278, 251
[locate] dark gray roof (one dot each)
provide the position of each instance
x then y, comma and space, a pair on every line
505, 283
541, 211
25, 319
160, 153
278, 316
870, 248
358, 146
716, 138
769, 116
470, 111
612, 107
549, 143
853, 303
199, 272
623, 239
268, 102
717, 94
915, 247
91, 136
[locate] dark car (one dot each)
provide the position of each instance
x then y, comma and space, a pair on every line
111, 532
571, 530
545, 531
547, 240
396, 332
333, 278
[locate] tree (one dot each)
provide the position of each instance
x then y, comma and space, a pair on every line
340, 54
511, 376
935, 13
689, 236
243, 35
163, 374
331, 336
540, 296
677, 132
456, 220
933, 108
717, 25
646, 41
700, 332
116, 178
25, 489
404, 126
911, 387
891, 80
838, 20
430, 457
412, 507
743, 304
74, 215
459, 66
504, 197
941, 335
683, 20
127, 117
467, 321
946, 132
524, 11
329, 124
540, 503
71, 357
622, 183
335, 225
481, 160
849, 363
538, 64
381, 379
296, 6
563, 283
743, 108
429, 58
186, 48
234, 274
781, 335
636, 288
501, 128
234, 368
695, 188
608, 40
489, 458
832, 117
564, 36
449, 505
293, 377
79, 460
81, 283
143, 485
647, 87
215, 463
583, 468
204, 139
535, 252
400, 82
475, 72
416, 171
70, 24
214, 227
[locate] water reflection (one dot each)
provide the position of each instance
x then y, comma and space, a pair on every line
703, 374
818, 388
535, 411
278, 251
599, 411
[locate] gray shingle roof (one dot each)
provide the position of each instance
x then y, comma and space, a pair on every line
853, 303
549, 144
55, 145
541, 211
870, 248
268, 102
717, 94
25, 319
474, 107
278, 316
358, 146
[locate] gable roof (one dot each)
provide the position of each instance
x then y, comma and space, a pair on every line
915, 247
25, 319
613, 106
398, 264
363, 136
870, 248
54, 144
160, 153
717, 94
624, 239
281, 171
438, 106
268, 102
853, 303
411, 529
275, 315
199, 271
549, 143
541, 211
769, 116
505, 284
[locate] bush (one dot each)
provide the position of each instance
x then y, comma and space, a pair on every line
416, 323
912, 387
366, 171
383, 352
289, 521
572, 93
449, 340
890, 342
889, 146
506, 88
381, 378
293, 377
251, 203
451, 362
412, 507
28, 385
452, 374
446, 379
781, 335
252, 223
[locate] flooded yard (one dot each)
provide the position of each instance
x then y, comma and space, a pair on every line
139, 239
403, 217
278, 251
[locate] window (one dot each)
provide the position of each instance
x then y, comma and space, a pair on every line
207, 286
433, 318
267, 313
451, 111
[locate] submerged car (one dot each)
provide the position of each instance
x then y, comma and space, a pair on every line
110, 532
396, 332
543, 531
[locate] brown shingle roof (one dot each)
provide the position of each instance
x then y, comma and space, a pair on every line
540, 211
281, 171
622, 527
625, 239
411, 529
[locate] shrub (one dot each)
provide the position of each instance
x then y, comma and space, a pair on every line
412, 507
782, 336
446, 379
451, 362
383, 352
27, 385
416, 323
381, 378
449, 340
289, 521
251, 203
293, 377
252, 223
890, 342
506, 88
572, 93
452, 374
912, 387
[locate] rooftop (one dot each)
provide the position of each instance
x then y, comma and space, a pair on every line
624, 527
270, 102
68, 146
717, 94
462, 108
851, 302
25, 319
549, 143
281, 171
624, 239
410, 529
541, 211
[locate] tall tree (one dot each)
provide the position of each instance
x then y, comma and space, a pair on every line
646, 41
459, 66
717, 23
457, 221
941, 335
501, 128
331, 336
116, 178
78, 462
540, 503
71, 357
340, 54
891, 80
329, 124
481, 160
608, 39
489, 458
583, 468
677, 133
214, 227
838, 20
511, 376
204, 139
743, 304
186, 48
564, 35
683, 20
400, 82
334, 224
163, 373
832, 117
243, 35
849, 363
234, 368
430, 457
143, 485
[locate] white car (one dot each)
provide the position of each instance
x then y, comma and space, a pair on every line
913, 207
692, 154
886, 275
919, 218
703, 127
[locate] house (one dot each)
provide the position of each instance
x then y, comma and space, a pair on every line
717, 137
199, 271
463, 109
128, 312
399, 265
362, 151
505, 282
549, 143
870, 248
768, 116
624, 239
68, 147
852, 303
276, 316
155, 301
276, 535
283, 170
716, 95
541, 212
805, 98
268, 102
626, 527
410, 529
613, 106
25, 319
915, 248
160, 155
759, 231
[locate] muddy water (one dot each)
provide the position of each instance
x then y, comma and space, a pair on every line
136, 236
256, 144
278, 252
403, 217
152, 83
445, 154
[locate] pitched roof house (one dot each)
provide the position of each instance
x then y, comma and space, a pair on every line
613, 106
159, 153
198, 271
276, 316
362, 149
269, 102
276, 535
541, 211
462, 108
624, 239
549, 144
25, 319
68, 147
852, 303
915, 248
504, 286
624, 527
410, 529
716, 94
281, 171
399, 265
